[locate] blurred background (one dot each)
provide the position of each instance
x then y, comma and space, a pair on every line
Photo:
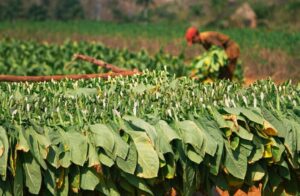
268, 32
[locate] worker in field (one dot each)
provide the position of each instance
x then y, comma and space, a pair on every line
210, 38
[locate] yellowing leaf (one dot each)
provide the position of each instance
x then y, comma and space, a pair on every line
268, 151
269, 129
60, 180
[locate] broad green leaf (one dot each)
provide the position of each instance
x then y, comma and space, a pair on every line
53, 156
33, 176
137, 182
193, 135
129, 164
103, 137
165, 136
18, 179
167, 131
106, 160
34, 146
213, 130
78, 147
244, 134
252, 115
92, 156
193, 156
140, 123
121, 147
258, 150
148, 162
88, 179
234, 143
219, 119
4, 152
49, 180
211, 143
235, 163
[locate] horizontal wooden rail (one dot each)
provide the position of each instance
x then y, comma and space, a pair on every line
13, 78
100, 63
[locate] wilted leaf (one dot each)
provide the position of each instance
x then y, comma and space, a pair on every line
269, 129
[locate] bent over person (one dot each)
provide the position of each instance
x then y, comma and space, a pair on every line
209, 38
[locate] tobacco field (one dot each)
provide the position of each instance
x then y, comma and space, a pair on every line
147, 134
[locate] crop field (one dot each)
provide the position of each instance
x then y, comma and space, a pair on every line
147, 135
156, 132
264, 53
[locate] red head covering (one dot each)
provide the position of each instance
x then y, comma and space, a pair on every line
190, 34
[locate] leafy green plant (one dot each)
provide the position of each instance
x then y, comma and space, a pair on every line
148, 134
208, 65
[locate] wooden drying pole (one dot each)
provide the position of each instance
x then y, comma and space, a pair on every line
116, 71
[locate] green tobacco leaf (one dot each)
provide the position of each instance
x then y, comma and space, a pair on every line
106, 160
121, 147
165, 136
89, 179
138, 183
211, 143
279, 126
148, 162
235, 111
244, 134
193, 135
252, 115
140, 123
78, 147
33, 176
193, 156
234, 143
213, 130
34, 146
277, 148
22, 143
74, 176
235, 163
103, 137
18, 179
49, 180
64, 187
3, 153
219, 119
168, 132
129, 164
53, 156
246, 147
258, 150
92, 156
